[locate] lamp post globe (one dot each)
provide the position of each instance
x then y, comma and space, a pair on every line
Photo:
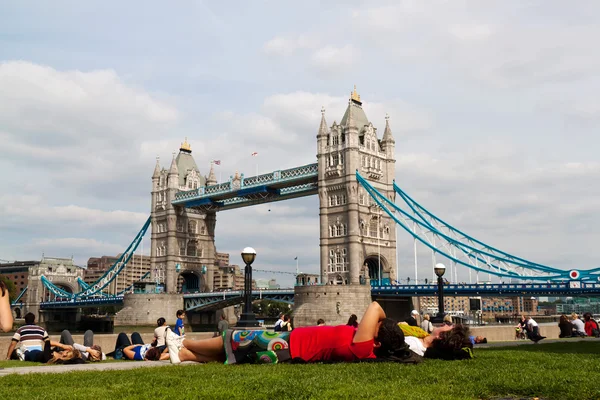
248, 319
248, 255
439, 270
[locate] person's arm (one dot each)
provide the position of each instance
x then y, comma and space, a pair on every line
367, 329
128, 351
6, 317
61, 345
164, 356
13, 344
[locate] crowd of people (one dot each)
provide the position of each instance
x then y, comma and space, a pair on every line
373, 337
575, 327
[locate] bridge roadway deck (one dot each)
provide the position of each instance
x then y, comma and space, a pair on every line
215, 300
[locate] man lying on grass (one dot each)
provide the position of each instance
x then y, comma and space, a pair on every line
377, 337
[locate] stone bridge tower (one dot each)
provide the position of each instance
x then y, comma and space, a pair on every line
183, 239
358, 240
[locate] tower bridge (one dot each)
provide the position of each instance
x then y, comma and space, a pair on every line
354, 179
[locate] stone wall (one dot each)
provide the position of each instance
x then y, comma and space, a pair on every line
145, 309
333, 303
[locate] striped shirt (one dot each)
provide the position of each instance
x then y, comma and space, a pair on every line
31, 337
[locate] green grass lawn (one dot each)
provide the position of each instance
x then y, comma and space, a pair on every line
548, 371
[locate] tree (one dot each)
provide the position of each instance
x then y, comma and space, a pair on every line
10, 286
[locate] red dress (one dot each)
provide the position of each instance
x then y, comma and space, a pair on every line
328, 343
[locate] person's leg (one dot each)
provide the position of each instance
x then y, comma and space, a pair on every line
66, 338
204, 350
122, 341
34, 355
88, 338
136, 338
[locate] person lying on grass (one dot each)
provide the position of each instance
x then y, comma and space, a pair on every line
135, 349
377, 337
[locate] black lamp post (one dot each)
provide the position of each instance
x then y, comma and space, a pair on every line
248, 319
440, 269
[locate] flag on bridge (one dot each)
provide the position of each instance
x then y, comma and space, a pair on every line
217, 162
254, 154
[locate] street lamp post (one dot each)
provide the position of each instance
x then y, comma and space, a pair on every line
248, 319
440, 269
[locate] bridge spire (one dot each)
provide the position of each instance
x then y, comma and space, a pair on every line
156, 173
174, 170
212, 179
387, 133
323, 126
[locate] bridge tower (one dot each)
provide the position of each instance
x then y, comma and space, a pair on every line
357, 239
183, 239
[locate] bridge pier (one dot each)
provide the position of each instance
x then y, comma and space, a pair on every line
145, 309
333, 303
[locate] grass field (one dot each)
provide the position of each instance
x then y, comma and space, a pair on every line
547, 371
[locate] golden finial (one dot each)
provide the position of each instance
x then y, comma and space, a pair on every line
355, 96
185, 146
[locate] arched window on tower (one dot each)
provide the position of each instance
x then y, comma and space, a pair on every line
203, 230
373, 227
335, 160
182, 247
344, 260
338, 231
331, 260
343, 199
331, 231
363, 228
341, 158
192, 227
191, 249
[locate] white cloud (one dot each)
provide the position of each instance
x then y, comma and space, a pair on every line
331, 59
285, 46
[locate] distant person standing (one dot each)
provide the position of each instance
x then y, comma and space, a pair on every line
223, 325
412, 320
578, 326
179, 326
426, 325
320, 322
277, 327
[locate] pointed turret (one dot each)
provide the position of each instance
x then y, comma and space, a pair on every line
387, 134
212, 179
323, 126
156, 173
174, 170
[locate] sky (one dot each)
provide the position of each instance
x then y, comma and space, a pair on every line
493, 106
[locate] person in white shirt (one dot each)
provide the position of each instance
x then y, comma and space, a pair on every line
159, 334
533, 330
279, 322
578, 325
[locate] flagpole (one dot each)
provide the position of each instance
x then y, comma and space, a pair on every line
297, 271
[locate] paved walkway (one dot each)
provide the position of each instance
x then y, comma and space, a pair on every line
105, 366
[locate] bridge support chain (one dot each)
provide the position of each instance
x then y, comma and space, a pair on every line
333, 303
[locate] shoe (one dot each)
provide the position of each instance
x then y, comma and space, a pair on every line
20, 354
174, 343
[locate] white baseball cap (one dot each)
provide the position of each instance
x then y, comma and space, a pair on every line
414, 312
